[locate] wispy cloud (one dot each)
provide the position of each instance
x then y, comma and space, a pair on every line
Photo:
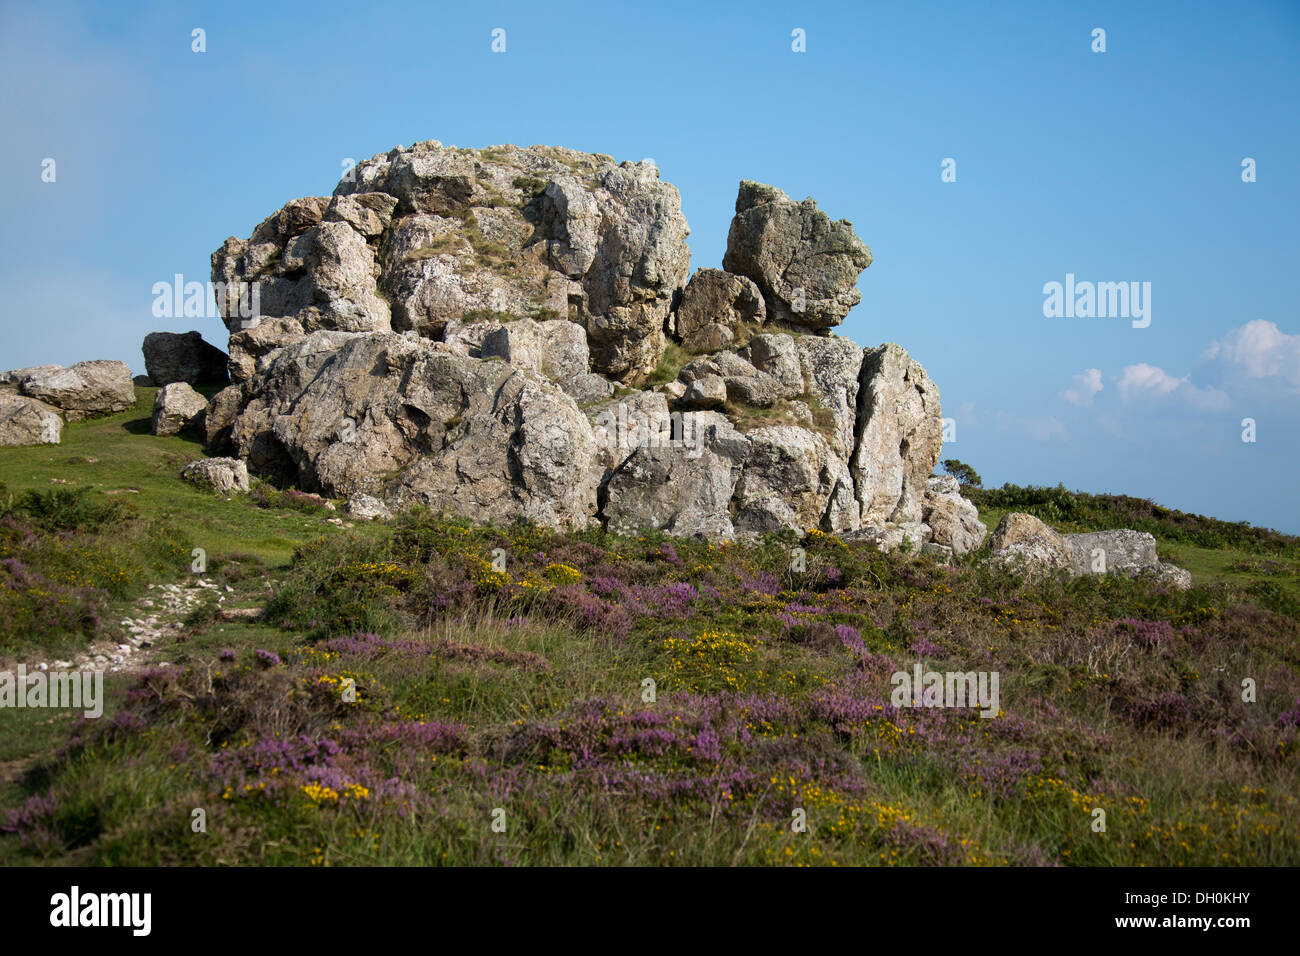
1084, 387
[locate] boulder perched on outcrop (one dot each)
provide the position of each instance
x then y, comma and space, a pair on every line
183, 357
718, 310
900, 436
175, 408
225, 476
954, 522
80, 391
28, 421
422, 236
805, 265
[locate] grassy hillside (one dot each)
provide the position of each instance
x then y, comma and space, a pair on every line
404, 700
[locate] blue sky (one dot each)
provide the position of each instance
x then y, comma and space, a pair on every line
1115, 166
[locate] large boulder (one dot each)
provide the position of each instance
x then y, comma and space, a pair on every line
447, 234
556, 349
899, 436
718, 310
1112, 552
82, 390
183, 357
1024, 543
28, 421
225, 476
831, 367
176, 407
409, 421
806, 266
954, 522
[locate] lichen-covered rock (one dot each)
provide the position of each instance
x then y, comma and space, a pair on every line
82, 390
1023, 542
899, 436
556, 349
176, 407
1169, 576
1119, 551
409, 421
954, 522
225, 476
368, 508
183, 357
718, 310
806, 266
28, 421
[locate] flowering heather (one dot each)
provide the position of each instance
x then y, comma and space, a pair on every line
640, 700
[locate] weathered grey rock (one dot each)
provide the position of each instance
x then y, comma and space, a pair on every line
954, 521
891, 537
409, 421
368, 508
555, 349
787, 481
248, 345
679, 489
805, 265
28, 421
183, 357
225, 476
831, 367
17, 375
1112, 552
176, 407
537, 232
718, 310
82, 390
705, 391
899, 436
1022, 542
1169, 576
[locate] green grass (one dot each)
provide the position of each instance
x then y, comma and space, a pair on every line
522, 690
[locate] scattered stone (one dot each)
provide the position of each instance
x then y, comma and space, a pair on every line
222, 475
368, 508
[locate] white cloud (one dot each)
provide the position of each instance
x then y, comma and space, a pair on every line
1259, 349
1144, 382
1085, 387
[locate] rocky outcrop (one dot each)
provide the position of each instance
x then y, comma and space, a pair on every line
79, 391
419, 237
183, 357
176, 407
460, 328
805, 265
28, 421
225, 476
